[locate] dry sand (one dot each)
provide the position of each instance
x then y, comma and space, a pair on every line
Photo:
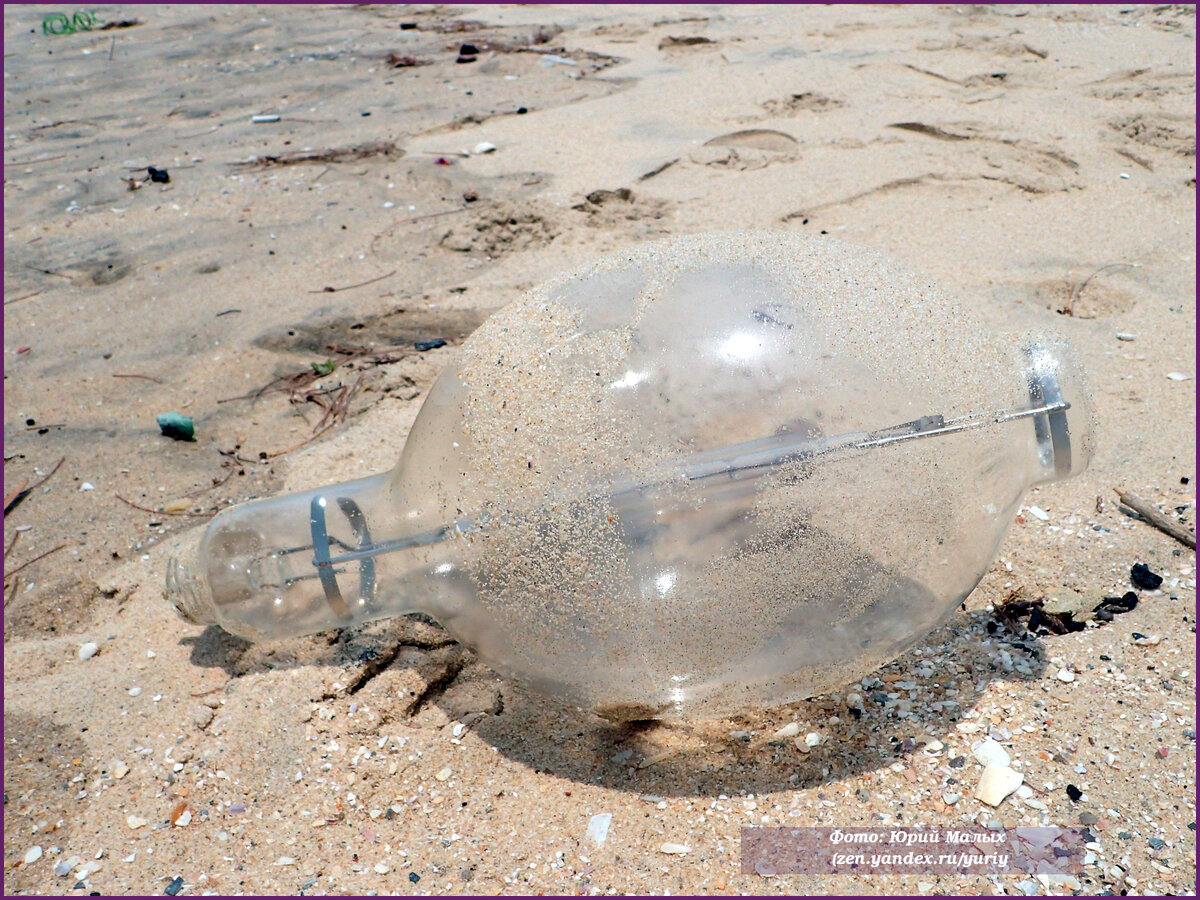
1013, 153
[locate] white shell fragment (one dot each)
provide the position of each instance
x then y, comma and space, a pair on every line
997, 783
992, 754
598, 825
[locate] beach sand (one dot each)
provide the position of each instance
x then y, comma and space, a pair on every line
1028, 158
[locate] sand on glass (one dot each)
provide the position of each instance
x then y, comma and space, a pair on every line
700, 475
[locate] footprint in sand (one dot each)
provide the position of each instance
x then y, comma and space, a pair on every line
753, 148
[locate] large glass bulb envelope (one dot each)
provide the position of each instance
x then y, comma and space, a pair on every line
699, 475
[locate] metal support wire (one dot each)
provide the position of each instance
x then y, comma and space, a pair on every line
734, 462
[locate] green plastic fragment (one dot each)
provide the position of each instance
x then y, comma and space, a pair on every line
323, 368
177, 426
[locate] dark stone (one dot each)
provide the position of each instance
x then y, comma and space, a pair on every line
1088, 818
414, 877
958, 762
1156, 843
159, 176
429, 345
174, 887
1143, 578
1074, 793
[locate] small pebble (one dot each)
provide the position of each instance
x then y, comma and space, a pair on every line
88, 650
1087, 818
1074, 793
202, 717
33, 854
134, 691
1066, 675
444, 774
483, 147
674, 849
64, 866
87, 486
185, 819
790, 730
1157, 843
1038, 513
120, 770
382, 868
1124, 336
1143, 578
175, 886
285, 861
812, 739
1162, 752
135, 822
1178, 376
1148, 640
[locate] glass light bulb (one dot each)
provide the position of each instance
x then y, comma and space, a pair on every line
702, 474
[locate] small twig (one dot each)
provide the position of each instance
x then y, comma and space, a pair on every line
11, 497
134, 375
1157, 519
445, 212
11, 544
391, 228
34, 162
8, 575
10, 502
1098, 271
215, 484
112, 47
303, 443
13, 592
162, 512
210, 690
1075, 294
48, 272
333, 290
324, 172
23, 297
334, 415
226, 312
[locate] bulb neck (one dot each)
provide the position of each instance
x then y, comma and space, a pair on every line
188, 593
329, 558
